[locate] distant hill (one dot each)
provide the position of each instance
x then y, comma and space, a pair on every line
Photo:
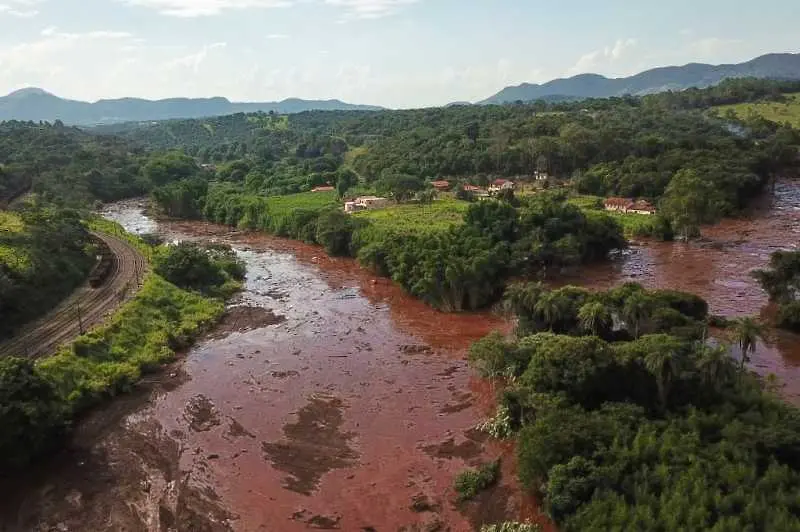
37, 104
774, 66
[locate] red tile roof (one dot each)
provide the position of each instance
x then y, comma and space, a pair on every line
617, 202
642, 205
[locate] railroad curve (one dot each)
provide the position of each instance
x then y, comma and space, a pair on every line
85, 308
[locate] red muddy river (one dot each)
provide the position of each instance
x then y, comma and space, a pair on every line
328, 399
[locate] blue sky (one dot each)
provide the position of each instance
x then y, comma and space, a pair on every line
397, 53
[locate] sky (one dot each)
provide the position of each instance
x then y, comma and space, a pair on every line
395, 53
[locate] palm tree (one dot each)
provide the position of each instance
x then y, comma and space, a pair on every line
636, 311
594, 317
662, 362
747, 332
716, 366
551, 309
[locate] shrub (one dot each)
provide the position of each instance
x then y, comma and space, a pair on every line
32, 417
789, 316
511, 527
471, 482
206, 270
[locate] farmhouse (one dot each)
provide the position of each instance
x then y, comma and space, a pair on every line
627, 205
501, 184
441, 186
365, 203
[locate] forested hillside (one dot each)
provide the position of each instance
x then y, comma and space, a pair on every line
668, 148
45, 252
66, 166
672, 78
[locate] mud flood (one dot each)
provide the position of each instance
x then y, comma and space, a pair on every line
326, 399
718, 268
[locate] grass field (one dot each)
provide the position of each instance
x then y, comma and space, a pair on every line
313, 201
772, 111
633, 224
11, 255
10, 222
439, 215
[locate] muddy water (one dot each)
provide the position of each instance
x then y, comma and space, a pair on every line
719, 267
326, 400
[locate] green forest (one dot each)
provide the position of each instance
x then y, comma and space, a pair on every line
626, 419
45, 252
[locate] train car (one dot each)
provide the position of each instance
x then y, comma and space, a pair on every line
104, 265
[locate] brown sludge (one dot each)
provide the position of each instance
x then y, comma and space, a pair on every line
357, 410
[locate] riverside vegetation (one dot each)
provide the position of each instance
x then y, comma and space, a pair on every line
626, 419
782, 282
40, 400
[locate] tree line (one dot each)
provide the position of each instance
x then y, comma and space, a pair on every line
781, 280
629, 146
627, 419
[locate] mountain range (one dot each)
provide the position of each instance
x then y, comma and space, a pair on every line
37, 104
773, 66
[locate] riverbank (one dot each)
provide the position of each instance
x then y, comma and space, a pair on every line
236, 434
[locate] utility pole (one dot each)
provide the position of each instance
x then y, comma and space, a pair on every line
80, 318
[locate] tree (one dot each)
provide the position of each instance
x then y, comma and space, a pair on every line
334, 231
594, 317
552, 309
32, 417
636, 311
691, 201
662, 363
345, 180
715, 366
171, 166
187, 265
402, 187
747, 331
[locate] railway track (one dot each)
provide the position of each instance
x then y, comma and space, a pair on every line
85, 308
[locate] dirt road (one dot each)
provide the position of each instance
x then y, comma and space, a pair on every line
85, 308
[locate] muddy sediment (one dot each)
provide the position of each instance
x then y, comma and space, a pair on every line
328, 399
310, 407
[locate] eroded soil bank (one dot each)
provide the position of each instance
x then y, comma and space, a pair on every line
326, 399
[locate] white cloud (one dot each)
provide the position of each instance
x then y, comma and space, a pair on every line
19, 8
277, 36
194, 61
198, 8
52, 56
370, 9
604, 57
